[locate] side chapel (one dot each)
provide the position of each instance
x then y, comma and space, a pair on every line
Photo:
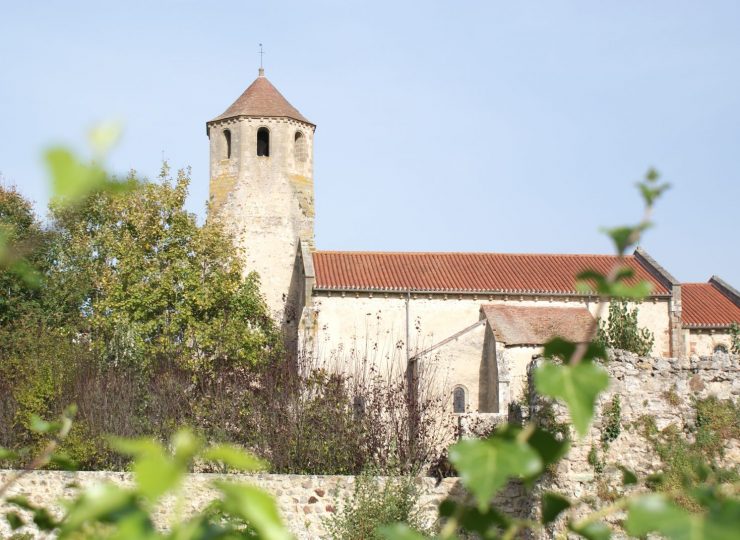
477, 317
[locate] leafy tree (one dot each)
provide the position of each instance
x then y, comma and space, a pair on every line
144, 283
24, 258
621, 331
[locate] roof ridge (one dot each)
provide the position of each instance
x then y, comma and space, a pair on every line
532, 254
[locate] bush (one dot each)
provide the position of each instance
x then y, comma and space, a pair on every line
375, 503
621, 331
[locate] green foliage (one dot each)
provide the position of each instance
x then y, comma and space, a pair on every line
611, 424
111, 511
735, 338
137, 274
377, 503
621, 331
595, 461
577, 385
688, 463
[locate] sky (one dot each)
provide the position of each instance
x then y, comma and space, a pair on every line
442, 126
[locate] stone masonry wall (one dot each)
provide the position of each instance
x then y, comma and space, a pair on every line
661, 388
304, 501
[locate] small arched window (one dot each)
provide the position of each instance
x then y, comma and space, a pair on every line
263, 142
720, 348
458, 400
227, 138
301, 148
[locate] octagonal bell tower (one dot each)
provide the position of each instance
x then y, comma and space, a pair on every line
261, 188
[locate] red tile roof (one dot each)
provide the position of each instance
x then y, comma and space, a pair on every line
704, 305
517, 325
262, 99
464, 272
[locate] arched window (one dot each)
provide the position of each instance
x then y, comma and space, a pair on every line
227, 138
301, 149
263, 141
458, 400
720, 348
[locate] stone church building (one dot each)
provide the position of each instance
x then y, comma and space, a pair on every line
476, 318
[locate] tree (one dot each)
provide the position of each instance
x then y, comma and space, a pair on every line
25, 258
144, 283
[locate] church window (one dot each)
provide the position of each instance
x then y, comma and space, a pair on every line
301, 149
459, 400
263, 142
720, 349
227, 138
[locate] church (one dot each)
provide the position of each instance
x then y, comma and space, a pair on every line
477, 319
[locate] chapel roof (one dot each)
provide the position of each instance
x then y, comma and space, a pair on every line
709, 305
487, 273
262, 99
524, 325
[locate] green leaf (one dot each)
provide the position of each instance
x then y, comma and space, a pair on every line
553, 504
474, 520
73, 180
485, 465
44, 520
105, 503
255, 507
186, 445
7, 454
15, 520
628, 477
104, 137
63, 462
548, 447
578, 386
593, 531
564, 350
41, 426
234, 457
400, 531
625, 236
655, 513
154, 470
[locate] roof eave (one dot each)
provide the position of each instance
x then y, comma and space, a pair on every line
497, 292
236, 116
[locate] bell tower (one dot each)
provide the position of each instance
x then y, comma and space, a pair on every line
261, 188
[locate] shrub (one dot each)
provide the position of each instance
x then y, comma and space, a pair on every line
375, 503
621, 331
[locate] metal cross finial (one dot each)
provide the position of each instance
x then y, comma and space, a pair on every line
261, 53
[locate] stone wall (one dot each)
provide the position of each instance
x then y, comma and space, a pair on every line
661, 388
304, 501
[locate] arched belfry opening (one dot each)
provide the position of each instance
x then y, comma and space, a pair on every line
263, 142
227, 139
301, 148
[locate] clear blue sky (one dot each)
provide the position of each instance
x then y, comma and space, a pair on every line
445, 126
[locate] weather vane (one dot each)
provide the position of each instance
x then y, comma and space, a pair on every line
261, 53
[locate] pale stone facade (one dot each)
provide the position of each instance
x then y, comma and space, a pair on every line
345, 328
265, 200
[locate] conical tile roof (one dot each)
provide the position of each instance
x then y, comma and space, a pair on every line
262, 99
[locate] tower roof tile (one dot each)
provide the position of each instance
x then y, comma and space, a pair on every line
262, 99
